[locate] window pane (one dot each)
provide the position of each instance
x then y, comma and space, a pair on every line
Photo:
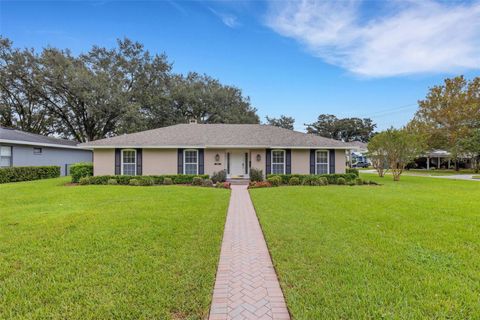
190, 156
5, 161
322, 156
129, 156
129, 169
277, 168
322, 168
5, 151
190, 168
278, 157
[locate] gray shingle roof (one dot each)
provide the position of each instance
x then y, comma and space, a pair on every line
23, 137
218, 135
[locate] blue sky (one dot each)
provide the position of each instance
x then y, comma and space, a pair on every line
302, 58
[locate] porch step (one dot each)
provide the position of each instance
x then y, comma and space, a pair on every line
239, 181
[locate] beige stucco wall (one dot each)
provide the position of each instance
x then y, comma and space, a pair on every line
340, 160
103, 162
159, 161
300, 161
211, 165
259, 165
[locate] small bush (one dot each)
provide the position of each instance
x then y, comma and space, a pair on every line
323, 181
84, 181
134, 182
220, 176
167, 181
80, 170
256, 175
275, 181
371, 182
224, 185
112, 182
354, 171
351, 183
145, 181
260, 184
365, 182
311, 180
358, 181
197, 181
17, 174
332, 178
207, 183
341, 181
294, 181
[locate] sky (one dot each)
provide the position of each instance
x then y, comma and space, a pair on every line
300, 58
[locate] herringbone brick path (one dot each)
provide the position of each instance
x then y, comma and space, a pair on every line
246, 285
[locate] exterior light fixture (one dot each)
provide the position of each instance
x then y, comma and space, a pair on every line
259, 157
217, 157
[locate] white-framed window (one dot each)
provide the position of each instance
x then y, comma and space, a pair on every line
278, 161
37, 150
190, 161
322, 165
129, 162
5, 156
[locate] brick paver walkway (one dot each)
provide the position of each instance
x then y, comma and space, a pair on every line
246, 285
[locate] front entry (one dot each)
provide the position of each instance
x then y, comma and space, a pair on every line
237, 166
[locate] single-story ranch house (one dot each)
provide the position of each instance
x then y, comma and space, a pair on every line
208, 148
19, 149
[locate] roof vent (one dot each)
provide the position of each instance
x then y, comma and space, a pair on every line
192, 121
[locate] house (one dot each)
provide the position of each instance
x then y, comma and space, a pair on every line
208, 148
358, 153
19, 148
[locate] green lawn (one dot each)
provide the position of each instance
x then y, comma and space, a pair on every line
405, 250
105, 252
440, 172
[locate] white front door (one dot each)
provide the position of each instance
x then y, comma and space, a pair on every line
238, 164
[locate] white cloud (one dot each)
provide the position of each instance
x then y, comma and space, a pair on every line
229, 20
408, 38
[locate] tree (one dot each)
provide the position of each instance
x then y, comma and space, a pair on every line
470, 147
346, 129
399, 146
282, 122
377, 154
449, 113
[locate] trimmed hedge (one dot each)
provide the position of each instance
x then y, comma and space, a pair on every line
81, 170
17, 174
354, 171
146, 180
331, 178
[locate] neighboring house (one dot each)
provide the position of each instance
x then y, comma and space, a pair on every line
358, 152
209, 148
19, 148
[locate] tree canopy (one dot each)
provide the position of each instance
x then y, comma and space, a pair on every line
282, 122
105, 92
345, 129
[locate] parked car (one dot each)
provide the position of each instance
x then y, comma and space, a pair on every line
361, 164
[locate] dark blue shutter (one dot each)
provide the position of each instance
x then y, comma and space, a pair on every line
312, 161
332, 160
268, 161
139, 162
180, 161
201, 165
118, 162
288, 166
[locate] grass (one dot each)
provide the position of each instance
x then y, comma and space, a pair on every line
405, 250
476, 177
108, 252
439, 172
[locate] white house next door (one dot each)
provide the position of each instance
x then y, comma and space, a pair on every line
238, 164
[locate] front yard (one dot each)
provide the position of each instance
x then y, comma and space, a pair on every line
405, 250
104, 252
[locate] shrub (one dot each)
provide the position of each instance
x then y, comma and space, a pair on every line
79, 170
323, 181
311, 180
167, 181
207, 183
365, 182
341, 181
260, 184
225, 185
351, 183
371, 182
134, 182
358, 181
84, 181
331, 178
353, 170
145, 181
256, 175
197, 181
112, 182
275, 181
220, 176
17, 174
294, 181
